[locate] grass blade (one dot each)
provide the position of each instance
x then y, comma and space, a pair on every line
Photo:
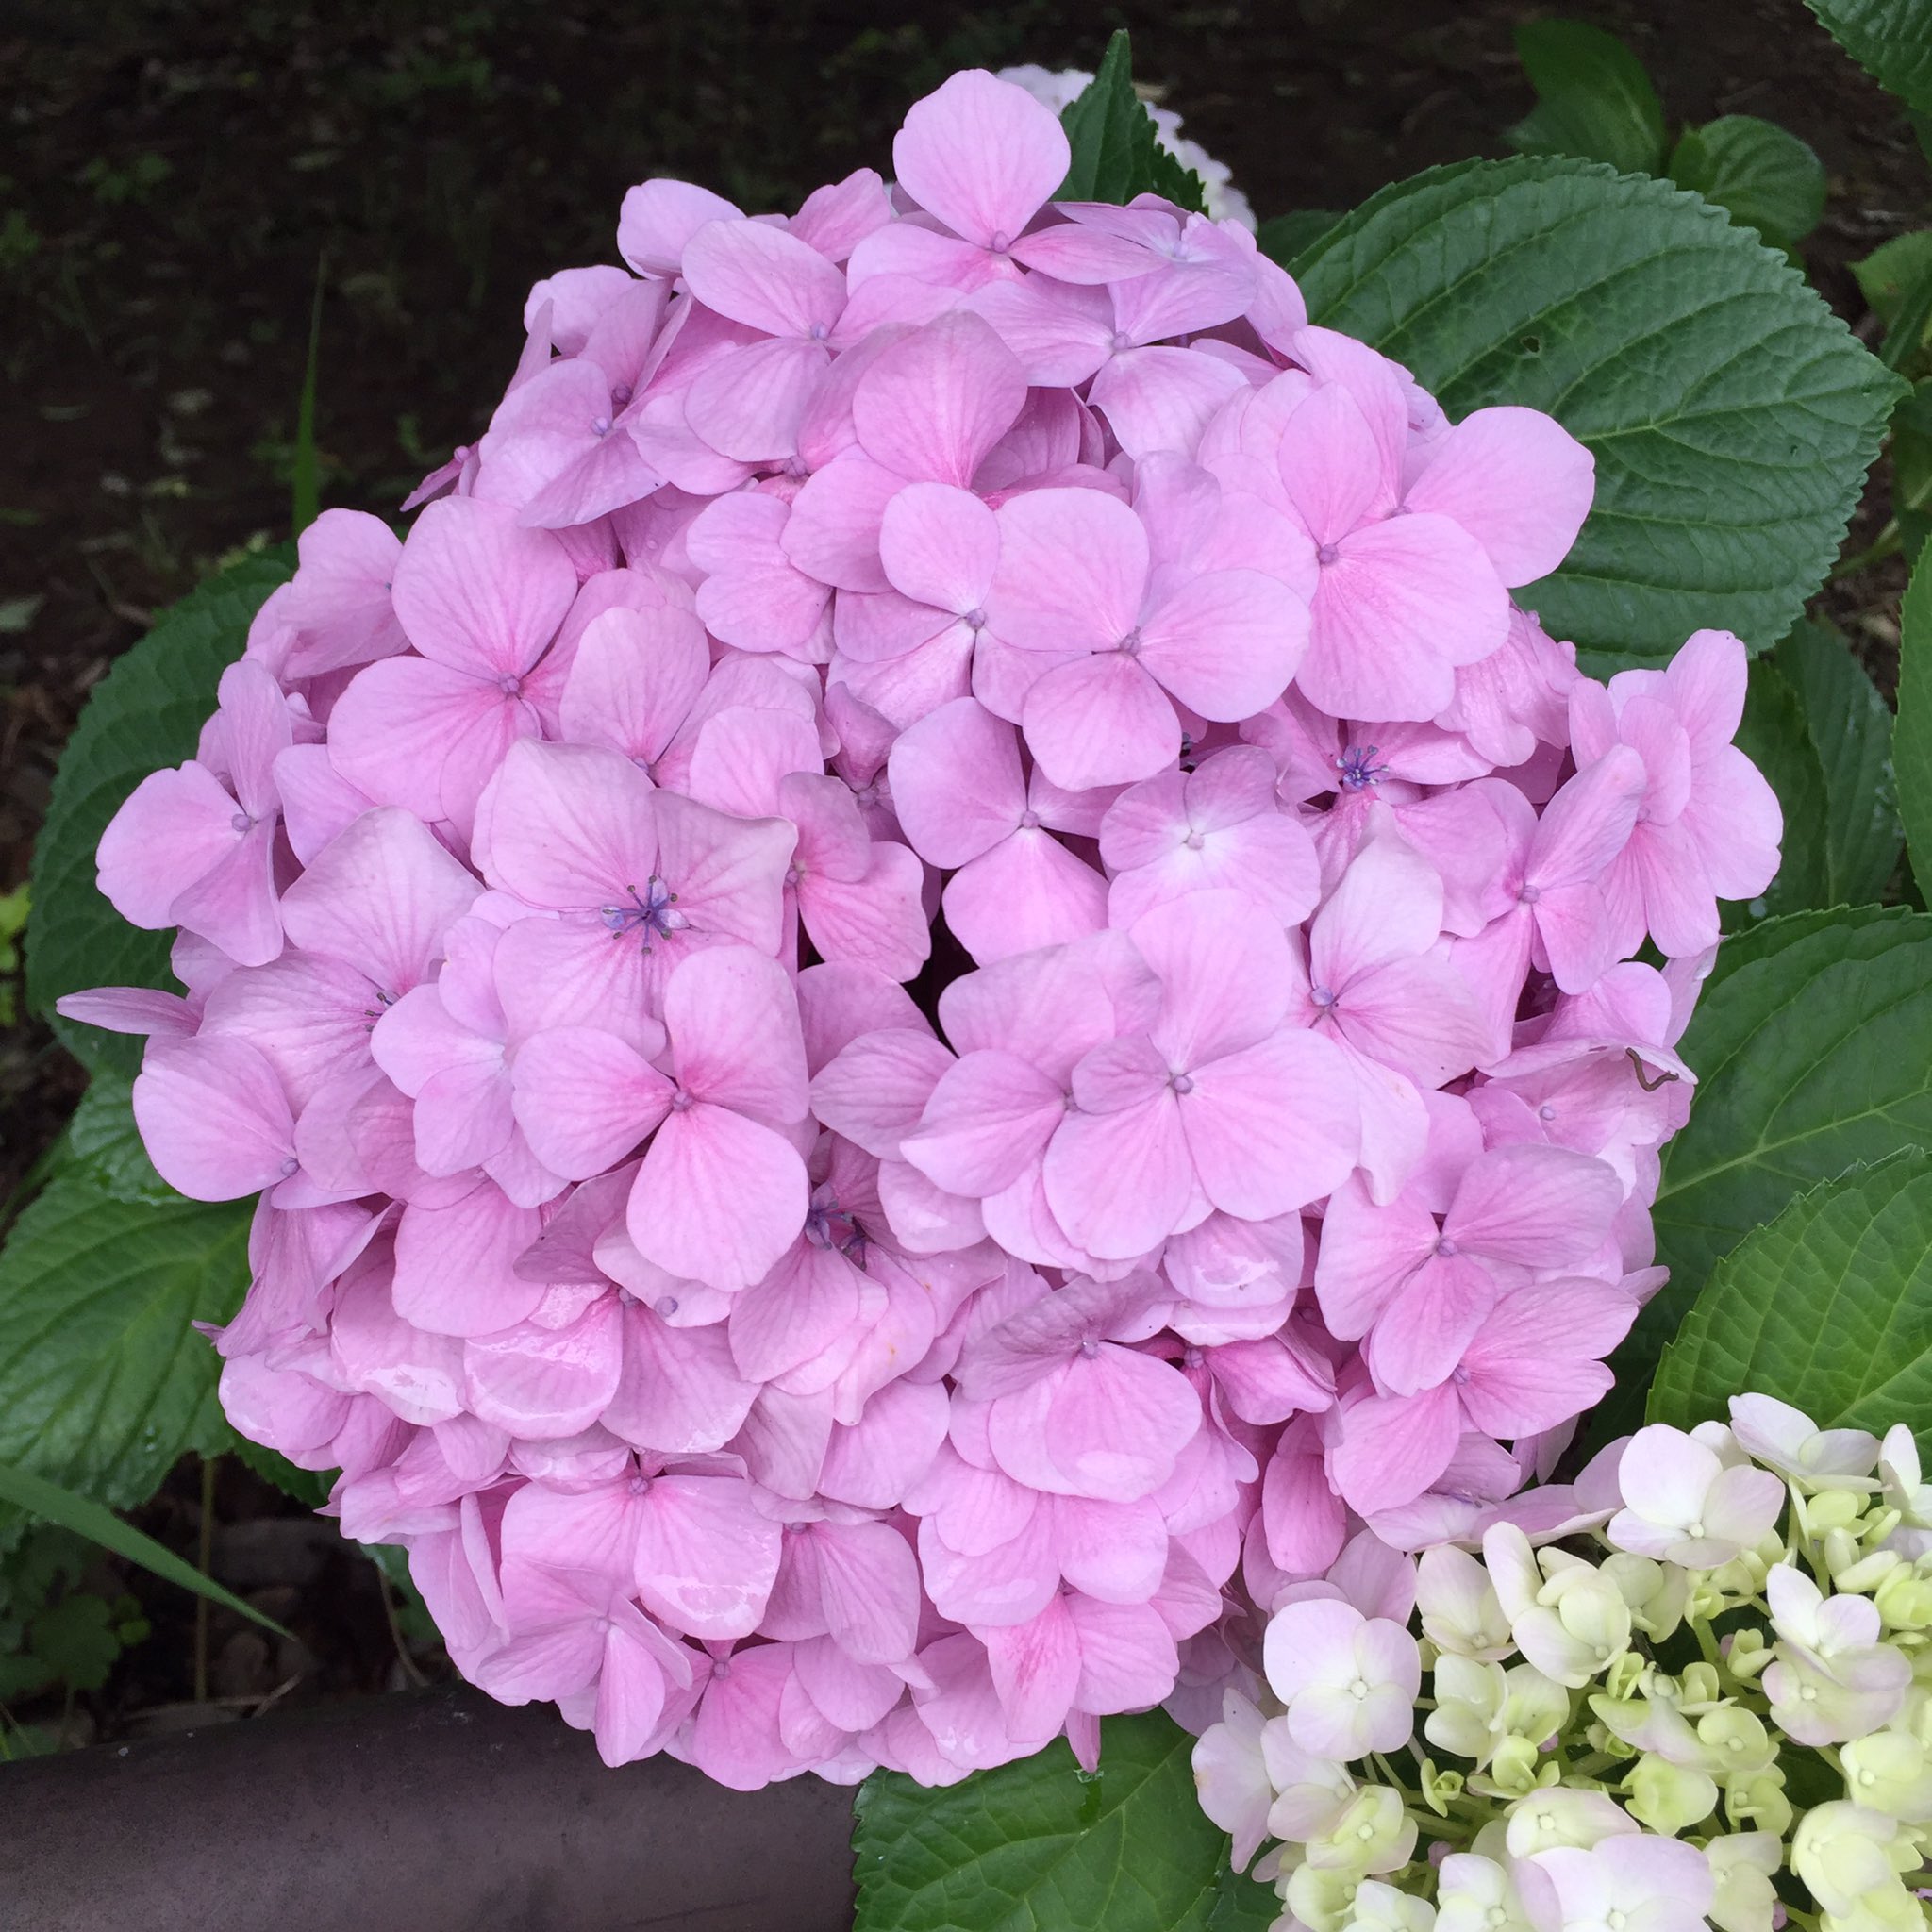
90, 1519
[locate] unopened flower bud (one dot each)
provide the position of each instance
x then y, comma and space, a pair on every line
1516, 1767
1322, 1898
1668, 1797
1747, 1651
1833, 1511
1904, 1599
1759, 1800
1699, 1689
1440, 1788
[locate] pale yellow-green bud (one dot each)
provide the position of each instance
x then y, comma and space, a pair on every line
1853, 1568
1904, 1599
1380, 1907
1440, 1788
1742, 1863
1735, 1743
1656, 1592
1749, 1652
1669, 1797
1832, 1510
1708, 1597
1699, 1689
1758, 1801
1890, 1772
1626, 1674
1374, 1834
1322, 1898
1879, 1525
1516, 1767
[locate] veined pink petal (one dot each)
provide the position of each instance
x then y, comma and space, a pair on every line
659, 219
1119, 1182
584, 1099
214, 1118
1028, 892
933, 405
1227, 644
477, 592
718, 1197
989, 1116
1100, 720
982, 155
956, 784
941, 545
456, 1266
735, 1035
759, 275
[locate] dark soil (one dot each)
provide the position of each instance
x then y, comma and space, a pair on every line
182, 172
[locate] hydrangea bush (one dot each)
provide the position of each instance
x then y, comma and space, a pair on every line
762, 1364
947, 1019
1643, 1737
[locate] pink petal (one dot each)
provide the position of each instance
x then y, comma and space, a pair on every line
1100, 721
735, 1036
633, 680
1517, 481
1127, 1656
933, 405
584, 1099
869, 1585
679, 1393
749, 405
456, 1266
1117, 1421
1028, 892
1227, 644
546, 1383
214, 1118
1036, 1670
174, 828
477, 592
1420, 1337
1119, 1182
659, 219
718, 1197
759, 275
382, 898
956, 784
706, 1557
1536, 1205
982, 155
939, 545
1162, 399
1271, 1127
1392, 1447
233, 905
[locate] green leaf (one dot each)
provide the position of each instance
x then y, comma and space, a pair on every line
1809, 1043
87, 1517
1906, 338
146, 712
1892, 268
75, 1640
1850, 726
1281, 238
310, 1486
1911, 470
1116, 155
1891, 39
306, 485
103, 1381
1773, 735
1829, 1307
1760, 173
1040, 1846
1594, 98
1912, 737
1731, 415
104, 1144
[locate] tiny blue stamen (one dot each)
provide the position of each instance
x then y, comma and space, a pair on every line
650, 912
1358, 769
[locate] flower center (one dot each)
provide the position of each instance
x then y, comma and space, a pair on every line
652, 913
1326, 554
1129, 646
1358, 769
241, 821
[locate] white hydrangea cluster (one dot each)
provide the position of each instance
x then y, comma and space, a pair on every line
1718, 1715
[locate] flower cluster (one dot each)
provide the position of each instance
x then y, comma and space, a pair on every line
785, 1370
1593, 1715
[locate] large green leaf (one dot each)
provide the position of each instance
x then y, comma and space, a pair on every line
1890, 39
1115, 153
1912, 739
1040, 1846
146, 712
1811, 1047
1774, 737
1829, 1307
103, 1381
105, 1146
1760, 173
1849, 728
1732, 416
1594, 98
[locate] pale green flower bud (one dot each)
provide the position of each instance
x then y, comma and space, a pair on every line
1626, 1674
1656, 1592
1469, 1704
1855, 1568
1563, 1815
1649, 1723
1759, 1800
1903, 1597
1669, 1797
1374, 1833
1749, 1652
1832, 1510
1699, 1689
1440, 1788
1380, 1907
1517, 1768
1845, 1851
1735, 1743
1322, 1899
1742, 1864
1890, 1772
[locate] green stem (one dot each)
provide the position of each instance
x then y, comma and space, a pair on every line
1888, 542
